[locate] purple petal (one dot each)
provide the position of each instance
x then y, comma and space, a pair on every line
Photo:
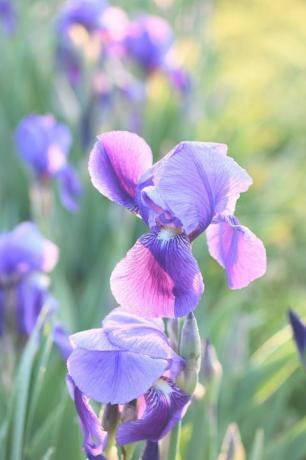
70, 188
299, 333
151, 451
238, 251
164, 407
114, 377
30, 299
197, 180
2, 310
94, 437
61, 340
158, 277
116, 163
7, 16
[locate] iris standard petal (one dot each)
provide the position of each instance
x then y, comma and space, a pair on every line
117, 161
94, 437
70, 188
238, 251
164, 407
197, 180
115, 377
158, 277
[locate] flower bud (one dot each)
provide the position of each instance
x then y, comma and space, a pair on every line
190, 350
299, 334
232, 447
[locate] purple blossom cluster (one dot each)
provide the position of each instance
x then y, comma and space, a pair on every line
146, 41
141, 371
129, 364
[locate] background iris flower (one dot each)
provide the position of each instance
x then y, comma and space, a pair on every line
25, 258
44, 144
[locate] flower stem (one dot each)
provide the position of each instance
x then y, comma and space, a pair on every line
174, 442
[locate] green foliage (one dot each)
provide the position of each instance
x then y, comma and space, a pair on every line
248, 64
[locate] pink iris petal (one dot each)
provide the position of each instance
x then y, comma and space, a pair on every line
158, 277
197, 180
165, 404
117, 161
238, 251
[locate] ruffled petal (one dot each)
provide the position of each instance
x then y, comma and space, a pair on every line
116, 163
197, 180
70, 188
94, 437
165, 404
158, 277
238, 251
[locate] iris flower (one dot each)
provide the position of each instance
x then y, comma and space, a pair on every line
44, 144
192, 189
128, 360
148, 42
25, 259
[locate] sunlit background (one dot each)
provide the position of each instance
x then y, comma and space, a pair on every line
247, 63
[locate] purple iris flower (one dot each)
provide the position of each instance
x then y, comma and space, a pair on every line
147, 42
7, 16
84, 13
130, 358
25, 258
299, 334
192, 189
44, 145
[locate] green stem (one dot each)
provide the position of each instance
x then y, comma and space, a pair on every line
174, 442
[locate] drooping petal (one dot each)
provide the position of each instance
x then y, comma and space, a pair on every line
158, 277
70, 188
61, 340
30, 299
117, 161
94, 437
197, 180
151, 451
164, 407
299, 334
238, 251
